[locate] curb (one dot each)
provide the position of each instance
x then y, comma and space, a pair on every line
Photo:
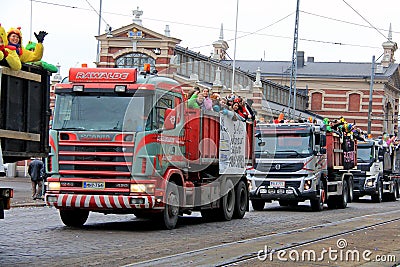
22, 205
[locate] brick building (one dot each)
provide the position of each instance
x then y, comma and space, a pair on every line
342, 88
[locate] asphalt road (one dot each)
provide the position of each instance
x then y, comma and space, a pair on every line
35, 236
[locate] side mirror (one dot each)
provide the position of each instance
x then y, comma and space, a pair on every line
170, 119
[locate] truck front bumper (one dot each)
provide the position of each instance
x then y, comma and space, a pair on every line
270, 194
99, 202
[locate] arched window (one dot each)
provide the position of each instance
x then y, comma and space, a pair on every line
354, 102
135, 60
316, 101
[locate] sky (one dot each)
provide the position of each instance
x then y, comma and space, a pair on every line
328, 30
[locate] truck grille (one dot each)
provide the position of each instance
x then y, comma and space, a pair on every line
96, 159
358, 184
278, 167
294, 184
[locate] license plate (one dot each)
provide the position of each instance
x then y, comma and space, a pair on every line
277, 183
93, 185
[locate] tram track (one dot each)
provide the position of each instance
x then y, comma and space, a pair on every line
248, 250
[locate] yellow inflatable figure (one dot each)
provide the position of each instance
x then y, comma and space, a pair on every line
14, 37
10, 56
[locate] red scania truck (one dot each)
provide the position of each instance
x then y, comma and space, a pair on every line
125, 142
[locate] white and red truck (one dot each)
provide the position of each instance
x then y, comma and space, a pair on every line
295, 162
125, 142
378, 171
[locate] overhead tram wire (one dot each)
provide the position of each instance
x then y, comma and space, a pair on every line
358, 13
245, 33
343, 21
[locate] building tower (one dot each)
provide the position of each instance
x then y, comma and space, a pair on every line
220, 46
389, 47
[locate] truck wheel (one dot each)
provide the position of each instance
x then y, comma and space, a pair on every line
74, 218
395, 195
344, 198
241, 203
318, 203
258, 204
228, 201
378, 197
171, 210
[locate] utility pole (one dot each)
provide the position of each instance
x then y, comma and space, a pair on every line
98, 33
293, 69
234, 48
371, 87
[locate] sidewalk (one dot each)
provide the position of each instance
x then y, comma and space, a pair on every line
22, 191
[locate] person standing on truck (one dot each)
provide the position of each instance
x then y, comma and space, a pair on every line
35, 171
14, 37
207, 102
196, 99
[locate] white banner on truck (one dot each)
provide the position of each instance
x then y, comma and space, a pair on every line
232, 146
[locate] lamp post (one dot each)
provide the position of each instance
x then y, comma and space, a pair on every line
371, 87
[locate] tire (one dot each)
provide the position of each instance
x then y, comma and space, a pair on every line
318, 203
74, 218
258, 204
351, 192
344, 198
170, 213
378, 198
395, 195
356, 198
241, 200
227, 201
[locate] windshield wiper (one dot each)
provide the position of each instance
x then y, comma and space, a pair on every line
289, 151
73, 128
265, 153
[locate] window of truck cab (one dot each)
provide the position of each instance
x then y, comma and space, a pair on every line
284, 145
101, 112
157, 116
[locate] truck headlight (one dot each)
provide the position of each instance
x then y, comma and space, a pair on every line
307, 184
369, 182
142, 188
53, 186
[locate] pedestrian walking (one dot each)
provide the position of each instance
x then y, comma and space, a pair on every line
35, 171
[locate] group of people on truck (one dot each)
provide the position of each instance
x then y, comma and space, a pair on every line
13, 53
233, 105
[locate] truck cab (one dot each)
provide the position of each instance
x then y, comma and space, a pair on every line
287, 166
368, 178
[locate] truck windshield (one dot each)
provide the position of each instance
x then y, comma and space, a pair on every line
100, 113
364, 153
284, 146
